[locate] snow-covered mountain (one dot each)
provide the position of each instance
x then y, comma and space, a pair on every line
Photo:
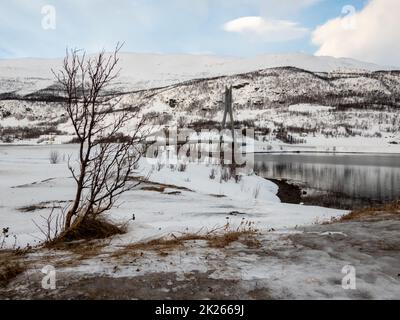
342, 99
142, 71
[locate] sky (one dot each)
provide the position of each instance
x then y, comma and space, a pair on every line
367, 30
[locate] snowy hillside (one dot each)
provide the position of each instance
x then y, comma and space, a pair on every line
139, 71
286, 105
290, 105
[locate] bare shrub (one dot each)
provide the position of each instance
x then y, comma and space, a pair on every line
90, 228
159, 166
238, 178
54, 157
225, 174
182, 167
3, 236
52, 225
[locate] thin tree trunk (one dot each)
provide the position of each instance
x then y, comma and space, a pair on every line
72, 212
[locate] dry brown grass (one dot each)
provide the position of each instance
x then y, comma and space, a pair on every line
87, 229
84, 240
80, 251
373, 212
10, 266
218, 238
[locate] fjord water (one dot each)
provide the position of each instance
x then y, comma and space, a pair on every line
337, 180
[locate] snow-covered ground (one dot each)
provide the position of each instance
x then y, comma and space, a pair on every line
27, 178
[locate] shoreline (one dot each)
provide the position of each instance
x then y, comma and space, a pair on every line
292, 193
326, 152
287, 192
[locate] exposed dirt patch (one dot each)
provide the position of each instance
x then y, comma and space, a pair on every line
154, 188
217, 195
159, 187
34, 183
173, 193
32, 208
42, 205
287, 193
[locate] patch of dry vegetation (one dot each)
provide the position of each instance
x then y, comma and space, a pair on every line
79, 251
87, 229
246, 234
32, 208
155, 186
390, 209
10, 266
42, 205
160, 189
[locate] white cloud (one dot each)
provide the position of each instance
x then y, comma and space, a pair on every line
267, 30
372, 34
267, 27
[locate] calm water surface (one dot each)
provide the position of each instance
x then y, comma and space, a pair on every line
337, 180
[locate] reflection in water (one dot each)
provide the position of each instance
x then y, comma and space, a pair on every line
375, 178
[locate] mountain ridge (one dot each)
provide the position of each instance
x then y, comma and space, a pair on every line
145, 71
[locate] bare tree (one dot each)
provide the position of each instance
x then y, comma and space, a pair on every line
105, 162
